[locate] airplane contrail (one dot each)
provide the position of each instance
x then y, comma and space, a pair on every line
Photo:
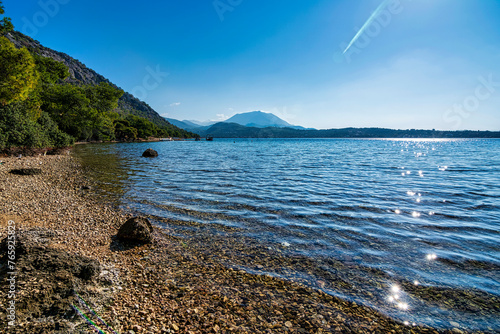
367, 23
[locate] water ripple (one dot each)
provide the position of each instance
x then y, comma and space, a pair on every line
425, 211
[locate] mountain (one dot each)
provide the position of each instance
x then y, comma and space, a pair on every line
188, 125
255, 119
259, 119
193, 124
82, 75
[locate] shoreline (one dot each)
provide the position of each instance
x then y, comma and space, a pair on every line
163, 287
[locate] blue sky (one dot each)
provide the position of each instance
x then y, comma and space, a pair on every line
419, 64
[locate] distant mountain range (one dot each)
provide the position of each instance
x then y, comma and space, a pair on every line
258, 124
233, 130
256, 119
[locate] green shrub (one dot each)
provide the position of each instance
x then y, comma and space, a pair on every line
19, 130
18, 74
56, 137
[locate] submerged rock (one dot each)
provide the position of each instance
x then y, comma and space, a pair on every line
150, 153
136, 229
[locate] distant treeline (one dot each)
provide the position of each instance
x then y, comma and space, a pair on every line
233, 130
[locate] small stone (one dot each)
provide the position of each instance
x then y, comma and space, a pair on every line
175, 327
288, 324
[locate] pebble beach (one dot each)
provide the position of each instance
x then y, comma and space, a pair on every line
167, 286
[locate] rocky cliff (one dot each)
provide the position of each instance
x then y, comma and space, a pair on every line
81, 74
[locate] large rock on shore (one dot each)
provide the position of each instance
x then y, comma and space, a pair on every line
137, 229
150, 153
31, 252
45, 280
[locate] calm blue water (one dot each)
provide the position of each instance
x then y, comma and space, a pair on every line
415, 222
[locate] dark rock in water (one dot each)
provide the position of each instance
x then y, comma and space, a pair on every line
136, 229
150, 153
26, 171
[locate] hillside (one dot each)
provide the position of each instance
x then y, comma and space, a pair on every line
82, 75
186, 125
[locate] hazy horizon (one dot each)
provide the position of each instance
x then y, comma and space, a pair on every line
413, 65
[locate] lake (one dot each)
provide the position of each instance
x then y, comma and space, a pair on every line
409, 227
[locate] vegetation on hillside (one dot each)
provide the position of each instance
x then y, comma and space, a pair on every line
40, 109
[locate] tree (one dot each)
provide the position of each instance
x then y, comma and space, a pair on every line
123, 131
5, 23
83, 112
68, 106
103, 100
51, 71
18, 74
17, 130
55, 137
103, 97
145, 128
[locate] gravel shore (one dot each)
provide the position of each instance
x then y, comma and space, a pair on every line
70, 254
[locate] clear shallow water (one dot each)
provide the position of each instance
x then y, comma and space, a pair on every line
415, 222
